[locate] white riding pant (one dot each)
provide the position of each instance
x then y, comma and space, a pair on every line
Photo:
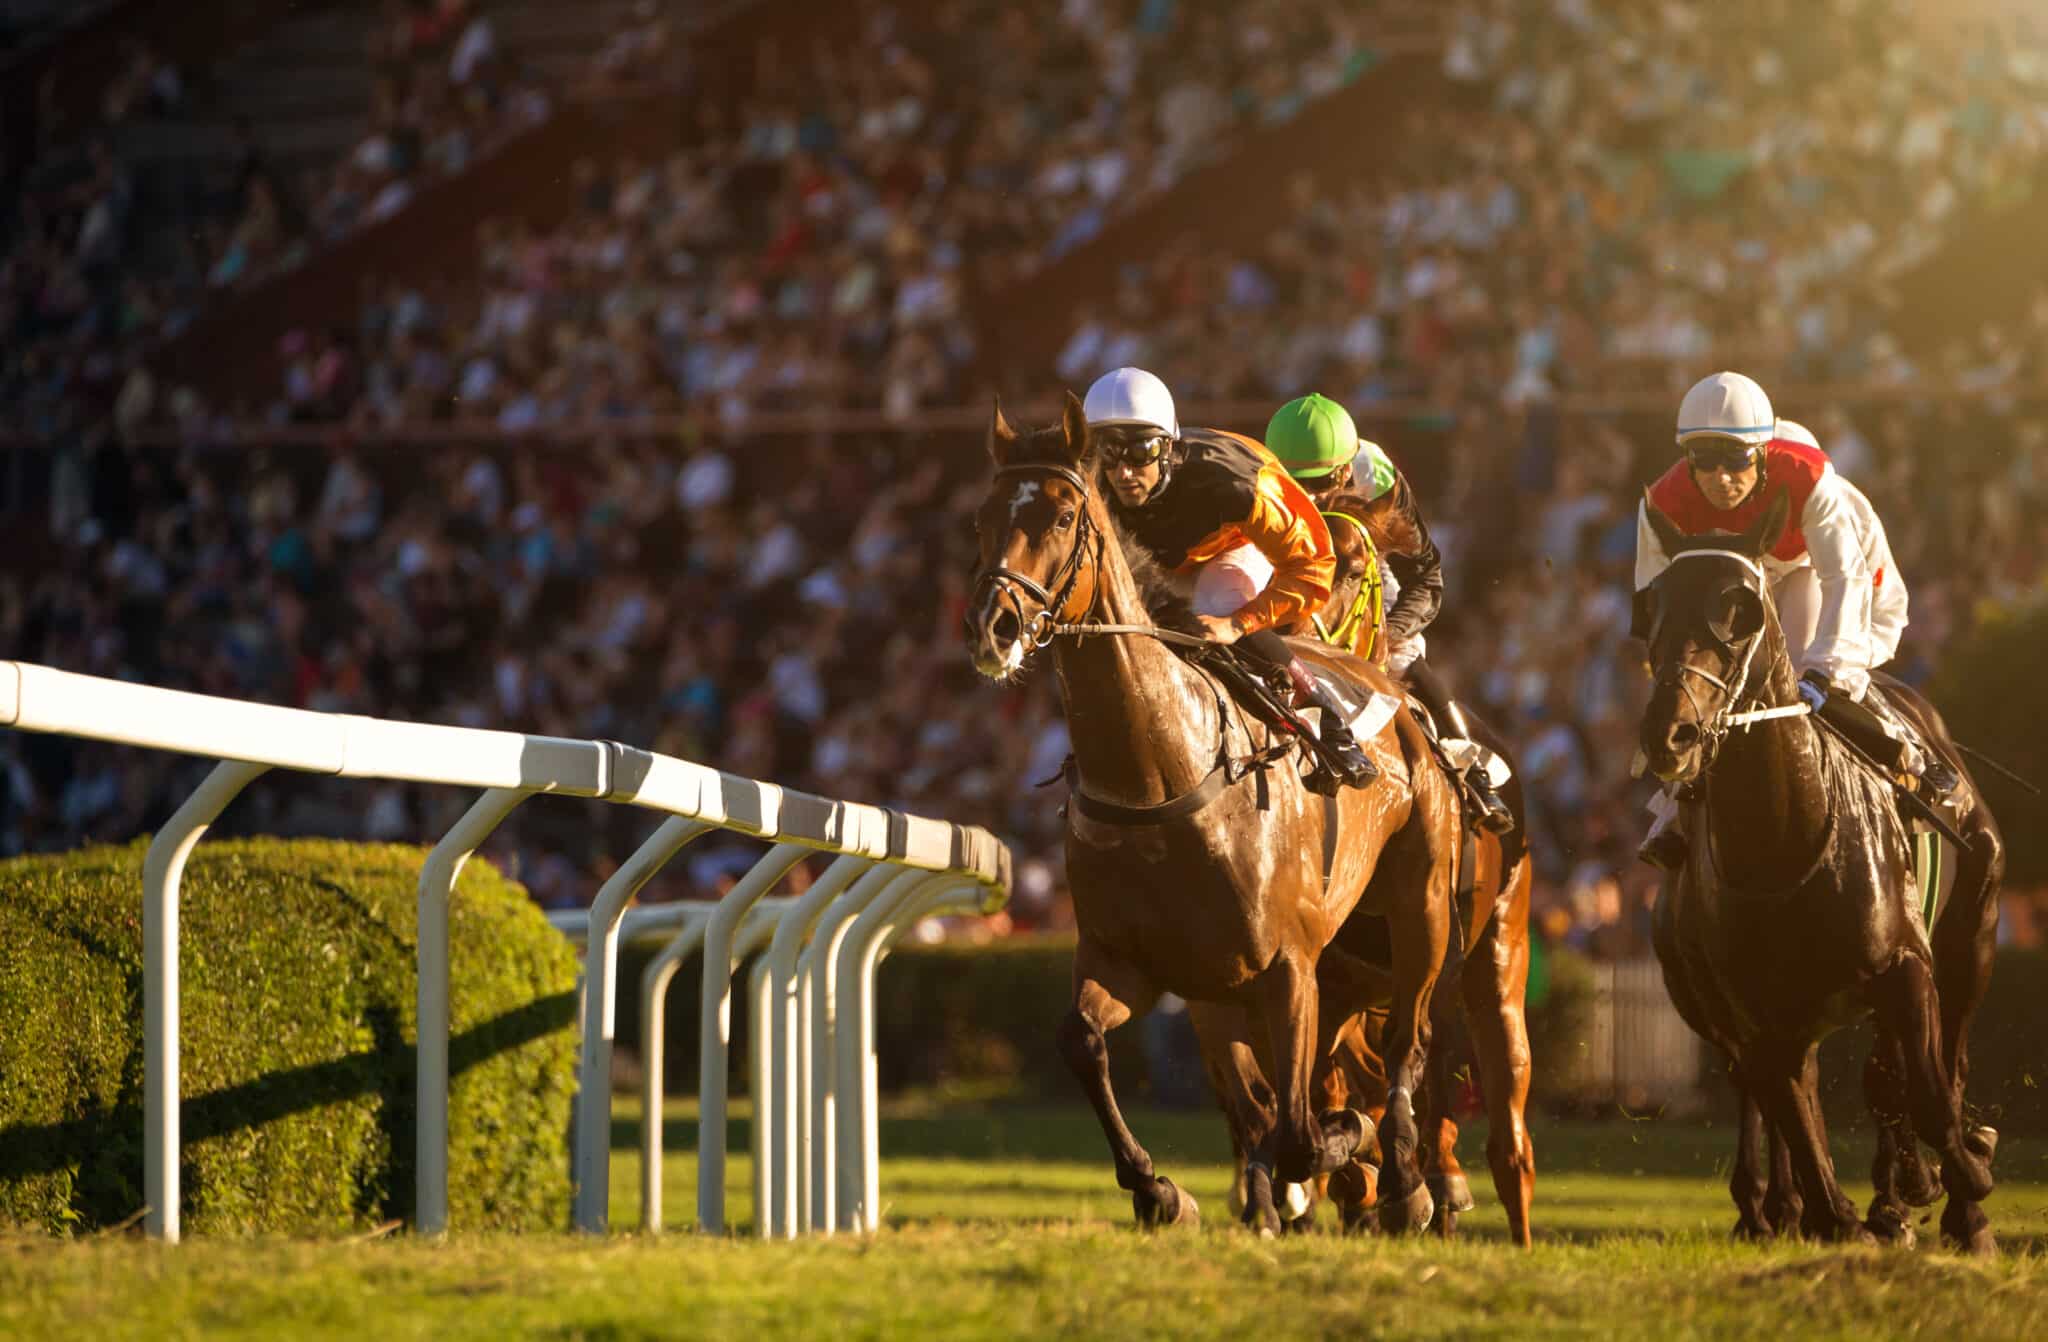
1221, 587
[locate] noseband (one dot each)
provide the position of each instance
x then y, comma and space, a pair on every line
1717, 727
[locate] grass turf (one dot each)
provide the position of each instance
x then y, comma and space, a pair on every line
1006, 1222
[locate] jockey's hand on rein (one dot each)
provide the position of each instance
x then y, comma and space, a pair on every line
1220, 628
1814, 689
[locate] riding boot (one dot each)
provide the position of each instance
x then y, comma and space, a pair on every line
1494, 815
1339, 749
1666, 846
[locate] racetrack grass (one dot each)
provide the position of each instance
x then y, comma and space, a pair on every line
1006, 1222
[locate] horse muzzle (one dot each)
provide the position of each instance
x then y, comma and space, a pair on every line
996, 636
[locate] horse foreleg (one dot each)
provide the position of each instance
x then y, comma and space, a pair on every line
1746, 1179
1495, 979
1247, 1104
1420, 934
1107, 993
1785, 1080
1905, 999
1898, 1176
1964, 944
1288, 1003
1448, 1186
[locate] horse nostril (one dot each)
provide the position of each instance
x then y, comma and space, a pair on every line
1684, 735
1005, 626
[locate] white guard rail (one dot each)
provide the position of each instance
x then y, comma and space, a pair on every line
250, 739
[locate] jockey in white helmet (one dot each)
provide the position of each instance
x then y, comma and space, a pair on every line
1839, 596
1220, 511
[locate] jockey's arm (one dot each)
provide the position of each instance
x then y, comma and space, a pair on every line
1419, 576
1836, 520
1650, 561
1299, 550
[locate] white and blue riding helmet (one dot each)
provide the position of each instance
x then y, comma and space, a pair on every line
1727, 405
1792, 431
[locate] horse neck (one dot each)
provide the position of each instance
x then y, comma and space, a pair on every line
1143, 724
1767, 799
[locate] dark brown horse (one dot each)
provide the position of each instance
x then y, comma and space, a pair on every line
1192, 872
1798, 910
1491, 984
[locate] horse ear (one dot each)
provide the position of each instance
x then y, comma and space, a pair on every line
1763, 537
1074, 422
1000, 435
1668, 535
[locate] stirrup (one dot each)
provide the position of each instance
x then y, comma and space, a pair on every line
1494, 816
1665, 850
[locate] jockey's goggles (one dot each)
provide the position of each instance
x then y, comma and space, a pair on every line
1719, 454
1132, 445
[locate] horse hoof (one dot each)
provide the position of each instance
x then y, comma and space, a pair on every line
1751, 1232
1891, 1225
1303, 1224
1412, 1213
1162, 1203
1919, 1182
1980, 1244
1453, 1191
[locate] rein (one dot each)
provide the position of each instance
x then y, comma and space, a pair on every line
1371, 591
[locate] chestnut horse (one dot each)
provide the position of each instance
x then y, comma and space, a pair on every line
1492, 984
1194, 870
1798, 909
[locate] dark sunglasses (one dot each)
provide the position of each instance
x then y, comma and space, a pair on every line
1131, 447
1720, 456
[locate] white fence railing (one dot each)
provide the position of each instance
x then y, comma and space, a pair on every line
1640, 1053
891, 853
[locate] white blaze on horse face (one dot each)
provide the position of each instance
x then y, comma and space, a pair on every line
1026, 491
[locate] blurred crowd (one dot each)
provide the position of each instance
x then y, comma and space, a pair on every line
1618, 199
823, 243
90, 280
1620, 193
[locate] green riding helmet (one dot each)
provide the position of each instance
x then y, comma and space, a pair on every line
1313, 436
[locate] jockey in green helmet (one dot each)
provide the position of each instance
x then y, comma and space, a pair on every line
1316, 441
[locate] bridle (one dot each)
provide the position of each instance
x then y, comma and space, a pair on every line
1053, 595
1344, 634
1052, 598
1730, 715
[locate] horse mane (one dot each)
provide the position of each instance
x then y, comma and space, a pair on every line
1389, 519
1168, 608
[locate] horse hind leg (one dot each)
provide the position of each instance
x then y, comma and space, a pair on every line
1906, 1001
1899, 1178
1746, 1178
1305, 1147
1106, 994
1448, 1186
1495, 977
1248, 1110
1965, 941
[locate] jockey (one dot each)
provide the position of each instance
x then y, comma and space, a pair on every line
1218, 510
1316, 441
1839, 596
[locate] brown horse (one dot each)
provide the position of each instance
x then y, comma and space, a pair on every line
1193, 870
1798, 909
1492, 987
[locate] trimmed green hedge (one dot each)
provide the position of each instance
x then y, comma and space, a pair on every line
299, 979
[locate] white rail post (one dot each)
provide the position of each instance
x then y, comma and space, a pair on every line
437, 883
855, 955
600, 973
654, 980
162, 871
817, 970
766, 1178
957, 898
775, 1108
714, 1031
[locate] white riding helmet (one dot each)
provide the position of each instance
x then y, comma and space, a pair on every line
1727, 405
1792, 431
1131, 396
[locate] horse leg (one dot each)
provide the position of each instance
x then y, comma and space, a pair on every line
1495, 976
1897, 1173
1420, 934
1786, 1081
1784, 1204
1107, 993
1247, 1104
1963, 949
1288, 1001
1447, 1184
1906, 1001
1746, 1180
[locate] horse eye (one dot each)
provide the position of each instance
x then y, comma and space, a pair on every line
1066, 518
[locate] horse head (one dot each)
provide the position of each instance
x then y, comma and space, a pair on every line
1713, 637
1344, 618
1039, 540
